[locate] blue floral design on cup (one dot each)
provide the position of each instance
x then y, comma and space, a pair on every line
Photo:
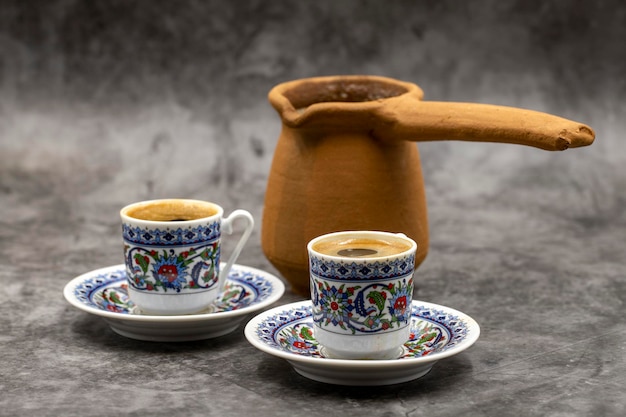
367, 309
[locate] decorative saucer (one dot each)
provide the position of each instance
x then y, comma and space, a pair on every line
437, 332
103, 292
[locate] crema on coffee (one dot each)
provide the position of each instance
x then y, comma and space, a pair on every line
171, 210
355, 247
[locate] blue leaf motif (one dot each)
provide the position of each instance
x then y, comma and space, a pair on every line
197, 268
359, 304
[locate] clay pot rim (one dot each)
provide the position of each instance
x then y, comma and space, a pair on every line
321, 87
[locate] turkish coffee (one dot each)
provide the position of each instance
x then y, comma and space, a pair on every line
171, 210
356, 247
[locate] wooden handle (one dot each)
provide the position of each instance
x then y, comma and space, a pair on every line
409, 119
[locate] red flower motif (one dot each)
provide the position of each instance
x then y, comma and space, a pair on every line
185, 254
299, 344
385, 326
169, 272
400, 303
334, 305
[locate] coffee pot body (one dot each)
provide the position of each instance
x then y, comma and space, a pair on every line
346, 159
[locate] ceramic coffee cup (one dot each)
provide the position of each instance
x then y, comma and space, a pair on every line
172, 253
361, 290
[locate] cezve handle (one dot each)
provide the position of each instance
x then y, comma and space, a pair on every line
408, 118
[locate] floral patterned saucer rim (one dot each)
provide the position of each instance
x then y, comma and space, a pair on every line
268, 289
464, 335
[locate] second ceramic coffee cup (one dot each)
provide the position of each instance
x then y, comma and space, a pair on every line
172, 252
361, 290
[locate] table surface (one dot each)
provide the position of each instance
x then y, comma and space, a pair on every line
528, 243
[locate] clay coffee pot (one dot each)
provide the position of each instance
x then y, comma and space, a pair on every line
345, 159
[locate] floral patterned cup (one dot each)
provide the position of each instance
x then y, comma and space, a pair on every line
172, 253
361, 290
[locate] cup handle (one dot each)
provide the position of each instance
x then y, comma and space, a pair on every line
227, 227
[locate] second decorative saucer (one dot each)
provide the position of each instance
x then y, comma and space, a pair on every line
437, 332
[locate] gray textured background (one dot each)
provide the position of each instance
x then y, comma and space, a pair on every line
103, 103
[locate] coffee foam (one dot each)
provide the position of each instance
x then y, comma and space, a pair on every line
171, 210
347, 247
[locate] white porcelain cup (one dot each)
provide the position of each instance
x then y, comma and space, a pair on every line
172, 251
361, 291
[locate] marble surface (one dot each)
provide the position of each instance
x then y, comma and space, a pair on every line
103, 103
